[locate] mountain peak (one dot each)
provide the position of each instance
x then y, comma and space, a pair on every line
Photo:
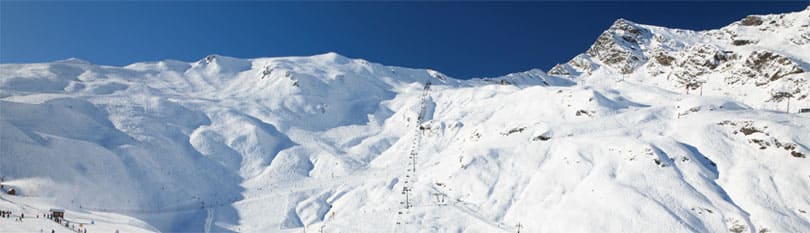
624, 25
332, 57
74, 60
620, 46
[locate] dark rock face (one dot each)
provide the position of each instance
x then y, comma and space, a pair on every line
751, 21
664, 59
743, 42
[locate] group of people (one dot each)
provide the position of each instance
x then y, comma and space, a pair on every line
5, 213
61, 221
58, 220
8, 214
73, 227
80, 228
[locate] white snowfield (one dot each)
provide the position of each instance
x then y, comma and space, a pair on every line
651, 130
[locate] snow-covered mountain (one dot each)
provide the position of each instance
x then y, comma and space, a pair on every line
650, 130
760, 60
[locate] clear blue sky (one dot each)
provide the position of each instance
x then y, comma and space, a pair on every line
462, 39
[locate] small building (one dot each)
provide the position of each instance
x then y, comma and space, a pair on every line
57, 213
804, 110
12, 192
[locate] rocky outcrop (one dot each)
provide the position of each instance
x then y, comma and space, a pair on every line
578, 65
619, 46
750, 59
751, 20
771, 65
763, 68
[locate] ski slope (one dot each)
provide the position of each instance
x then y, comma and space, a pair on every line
615, 140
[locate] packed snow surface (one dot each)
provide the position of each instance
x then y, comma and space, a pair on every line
651, 130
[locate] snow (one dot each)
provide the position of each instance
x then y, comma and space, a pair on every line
35, 221
288, 144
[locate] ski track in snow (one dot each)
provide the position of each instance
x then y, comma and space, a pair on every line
209, 219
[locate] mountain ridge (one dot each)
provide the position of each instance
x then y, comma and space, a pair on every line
614, 140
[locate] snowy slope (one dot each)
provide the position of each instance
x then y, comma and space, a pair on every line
610, 141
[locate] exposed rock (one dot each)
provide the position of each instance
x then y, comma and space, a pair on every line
771, 65
664, 59
678, 59
696, 61
582, 112
751, 20
514, 130
619, 46
559, 69
577, 65
743, 42
749, 129
541, 138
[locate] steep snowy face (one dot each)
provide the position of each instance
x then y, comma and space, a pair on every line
651, 129
754, 59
